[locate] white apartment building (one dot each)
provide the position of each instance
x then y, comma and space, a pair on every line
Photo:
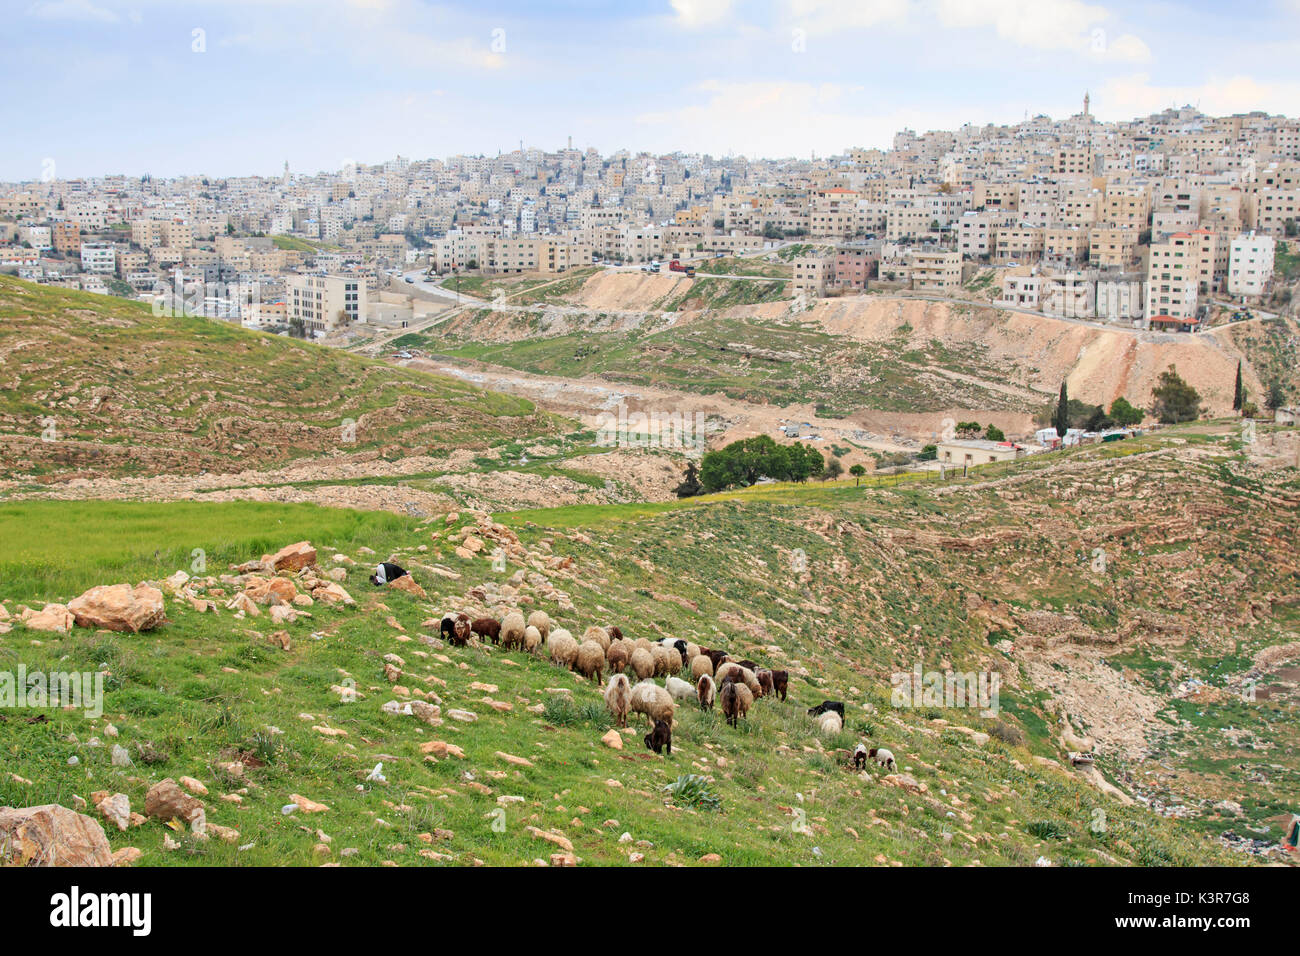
1250, 264
99, 258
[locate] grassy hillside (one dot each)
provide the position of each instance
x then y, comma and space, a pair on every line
1201, 577
125, 392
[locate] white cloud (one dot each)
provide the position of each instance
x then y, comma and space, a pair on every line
1135, 95
827, 16
82, 10
695, 13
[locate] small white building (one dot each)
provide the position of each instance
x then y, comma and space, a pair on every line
1250, 264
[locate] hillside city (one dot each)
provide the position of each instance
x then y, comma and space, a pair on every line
1169, 222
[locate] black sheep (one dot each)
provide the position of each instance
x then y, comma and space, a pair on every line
660, 737
825, 706
780, 683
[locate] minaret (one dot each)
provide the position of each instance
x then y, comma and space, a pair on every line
285, 178
1087, 101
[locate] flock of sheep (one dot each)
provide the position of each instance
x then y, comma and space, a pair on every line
714, 677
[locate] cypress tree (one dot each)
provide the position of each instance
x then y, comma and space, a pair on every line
1237, 396
1061, 419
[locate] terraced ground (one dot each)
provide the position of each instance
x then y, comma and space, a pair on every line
842, 586
121, 392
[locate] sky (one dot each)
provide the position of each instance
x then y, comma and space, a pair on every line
239, 87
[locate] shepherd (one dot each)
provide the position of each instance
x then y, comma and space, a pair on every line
386, 573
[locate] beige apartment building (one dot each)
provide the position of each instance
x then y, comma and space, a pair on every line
1020, 244
325, 303
1113, 247
935, 271
1173, 277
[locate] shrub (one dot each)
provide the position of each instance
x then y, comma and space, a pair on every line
692, 790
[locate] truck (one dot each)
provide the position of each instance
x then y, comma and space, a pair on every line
677, 266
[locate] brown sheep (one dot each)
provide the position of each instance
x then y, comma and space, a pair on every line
590, 661
736, 701
717, 657
487, 627
462, 629
764, 678
618, 698
614, 633
617, 656
780, 683
701, 667
706, 691
643, 663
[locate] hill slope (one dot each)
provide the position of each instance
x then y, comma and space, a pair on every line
987, 574
125, 392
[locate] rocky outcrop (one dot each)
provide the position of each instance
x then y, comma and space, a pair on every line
293, 557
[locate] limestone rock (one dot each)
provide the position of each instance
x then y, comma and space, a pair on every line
51, 835
120, 607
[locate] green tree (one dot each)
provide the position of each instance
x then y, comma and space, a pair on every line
1238, 393
833, 469
1061, 418
690, 486
928, 453
1125, 414
969, 429
993, 433
1275, 398
1175, 400
857, 471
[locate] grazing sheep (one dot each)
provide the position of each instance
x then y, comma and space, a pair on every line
701, 667
597, 634
488, 627
652, 700
677, 644
750, 664
462, 630
860, 757
563, 648
643, 663
618, 697
742, 674
660, 737
642, 643
512, 630
617, 656
736, 701
883, 757
679, 689
764, 678
780, 683
830, 722
826, 705
692, 652
542, 621
660, 655
590, 661
717, 657
706, 692
614, 633
448, 629
532, 639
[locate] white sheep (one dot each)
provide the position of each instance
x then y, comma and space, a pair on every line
679, 689
883, 757
829, 723
652, 700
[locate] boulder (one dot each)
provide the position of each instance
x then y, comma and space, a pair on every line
116, 810
332, 593
120, 607
51, 835
271, 590
407, 583
293, 557
52, 617
166, 801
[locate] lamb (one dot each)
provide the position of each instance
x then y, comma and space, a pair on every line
706, 691
830, 722
736, 701
643, 663
488, 627
562, 646
618, 697
764, 678
532, 639
742, 674
512, 630
590, 661
780, 683
660, 737
883, 757
652, 700
679, 689
542, 621
701, 667
860, 757
597, 634
826, 705
617, 656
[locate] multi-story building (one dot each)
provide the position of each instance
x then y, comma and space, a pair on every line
1250, 265
325, 303
99, 258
